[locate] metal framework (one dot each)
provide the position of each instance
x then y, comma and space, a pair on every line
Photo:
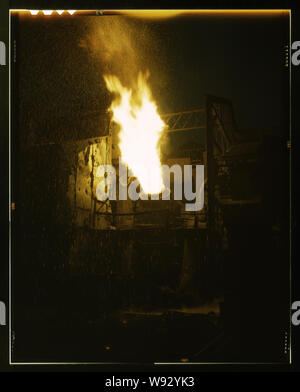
186, 120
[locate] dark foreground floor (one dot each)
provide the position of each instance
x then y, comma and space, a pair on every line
188, 335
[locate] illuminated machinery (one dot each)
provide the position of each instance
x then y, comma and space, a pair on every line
217, 134
159, 236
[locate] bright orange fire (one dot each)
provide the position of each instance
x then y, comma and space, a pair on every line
140, 130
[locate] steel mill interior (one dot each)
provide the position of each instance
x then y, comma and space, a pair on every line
148, 281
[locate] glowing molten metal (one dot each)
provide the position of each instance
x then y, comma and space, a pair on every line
140, 131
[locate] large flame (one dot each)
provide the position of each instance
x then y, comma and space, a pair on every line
140, 131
